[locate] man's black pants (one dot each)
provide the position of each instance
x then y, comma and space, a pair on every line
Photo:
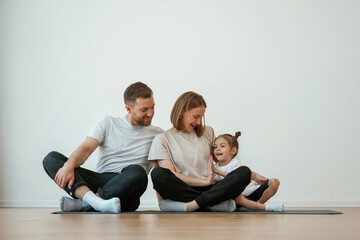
128, 185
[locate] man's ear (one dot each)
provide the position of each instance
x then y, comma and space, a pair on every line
128, 109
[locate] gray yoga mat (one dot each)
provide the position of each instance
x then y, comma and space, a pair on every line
305, 212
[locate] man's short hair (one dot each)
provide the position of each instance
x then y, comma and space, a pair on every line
136, 90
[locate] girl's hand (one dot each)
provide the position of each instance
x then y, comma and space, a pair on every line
258, 178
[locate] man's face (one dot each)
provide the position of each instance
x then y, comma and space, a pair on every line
142, 111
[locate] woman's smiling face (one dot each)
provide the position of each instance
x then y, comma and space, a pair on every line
192, 118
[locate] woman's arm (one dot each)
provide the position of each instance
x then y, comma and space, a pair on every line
194, 182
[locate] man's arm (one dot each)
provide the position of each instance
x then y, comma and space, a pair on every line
78, 157
194, 182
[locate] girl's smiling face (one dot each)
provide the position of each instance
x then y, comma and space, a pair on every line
222, 151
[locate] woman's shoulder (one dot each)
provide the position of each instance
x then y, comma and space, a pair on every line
209, 129
163, 136
209, 133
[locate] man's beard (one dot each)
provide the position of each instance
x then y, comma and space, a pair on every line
142, 121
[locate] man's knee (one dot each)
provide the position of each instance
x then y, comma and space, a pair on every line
137, 173
136, 170
50, 160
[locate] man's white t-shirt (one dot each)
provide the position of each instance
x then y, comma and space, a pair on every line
122, 144
232, 165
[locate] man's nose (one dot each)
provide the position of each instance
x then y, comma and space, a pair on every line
150, 113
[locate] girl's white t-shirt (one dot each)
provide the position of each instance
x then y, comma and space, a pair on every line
232, 165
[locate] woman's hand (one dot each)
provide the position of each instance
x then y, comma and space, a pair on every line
211, 174
211, 160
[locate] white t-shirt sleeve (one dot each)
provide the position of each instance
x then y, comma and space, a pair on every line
158, 150
235, 163
99, 131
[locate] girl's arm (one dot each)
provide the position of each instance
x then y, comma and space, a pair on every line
194, 182
214, 169
219, 172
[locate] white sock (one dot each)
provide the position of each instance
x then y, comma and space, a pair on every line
73, 205
225, 206
102, 205
168, 205
274, 208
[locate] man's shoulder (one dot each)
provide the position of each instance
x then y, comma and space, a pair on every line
155, 129
108, 118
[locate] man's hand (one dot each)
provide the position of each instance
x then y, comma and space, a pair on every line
65, 175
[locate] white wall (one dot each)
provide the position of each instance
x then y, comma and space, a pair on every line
285, 73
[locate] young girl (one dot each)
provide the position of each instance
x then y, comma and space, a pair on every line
260, 188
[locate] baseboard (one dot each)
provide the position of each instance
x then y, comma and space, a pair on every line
29, 203
147, 204
55, 203
319, 203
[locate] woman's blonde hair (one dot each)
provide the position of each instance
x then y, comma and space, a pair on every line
186, 102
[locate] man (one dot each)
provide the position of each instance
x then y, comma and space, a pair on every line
121, 172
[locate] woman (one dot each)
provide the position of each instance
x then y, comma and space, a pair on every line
183, 177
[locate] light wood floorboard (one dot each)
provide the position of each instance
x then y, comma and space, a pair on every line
38, 223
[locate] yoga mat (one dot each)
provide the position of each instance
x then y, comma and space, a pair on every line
304, 212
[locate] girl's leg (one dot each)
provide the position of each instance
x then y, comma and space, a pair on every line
251, 205
270, 191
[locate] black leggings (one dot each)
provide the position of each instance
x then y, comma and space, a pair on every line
171, 187
128, 185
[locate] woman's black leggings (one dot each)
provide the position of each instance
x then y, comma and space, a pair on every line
171, 187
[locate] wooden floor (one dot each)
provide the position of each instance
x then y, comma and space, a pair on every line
38, 223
